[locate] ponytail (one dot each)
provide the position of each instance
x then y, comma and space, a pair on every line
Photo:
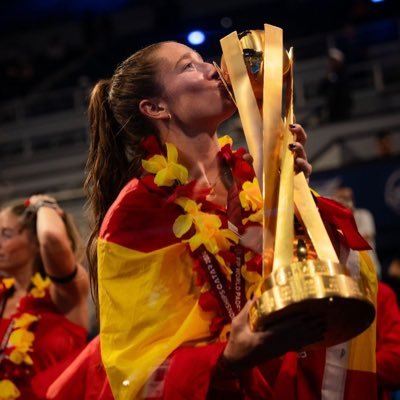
107, 166
116, 130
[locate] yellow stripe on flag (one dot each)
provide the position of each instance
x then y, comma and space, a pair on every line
362, 348
148, 308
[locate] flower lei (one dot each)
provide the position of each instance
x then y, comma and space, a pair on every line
202, 223
17, 346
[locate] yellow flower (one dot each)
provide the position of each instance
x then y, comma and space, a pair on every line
256, 217
18, 357
40, 285
167, 170
183, 223
225, 140
208, 232
250, 197
21, 339
225, 269
8, 391
8, 282
24, 320
253, 280
214, 240
208, 226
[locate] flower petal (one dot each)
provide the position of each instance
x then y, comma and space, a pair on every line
163, 178
195, 241
24, 320
224, 140
172, 153
154, 164
182, 224
8, 391
179, 172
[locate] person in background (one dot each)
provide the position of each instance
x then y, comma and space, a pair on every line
335, 87
388, 315
392, 277
384, 144
364, 220
43, 296
387, 342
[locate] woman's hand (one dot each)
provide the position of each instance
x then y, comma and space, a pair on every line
300, 157
42, 200
246, 348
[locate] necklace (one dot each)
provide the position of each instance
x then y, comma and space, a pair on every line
225, 272
16, 346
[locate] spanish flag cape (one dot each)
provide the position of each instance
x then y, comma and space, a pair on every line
156, 302
148, 292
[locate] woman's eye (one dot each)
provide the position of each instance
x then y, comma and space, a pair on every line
189, 66
7, 233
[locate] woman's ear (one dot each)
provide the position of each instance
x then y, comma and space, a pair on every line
153, 110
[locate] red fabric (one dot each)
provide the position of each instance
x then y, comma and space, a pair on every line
187, 374
195, 382
342, 218
360, 385
183, 383
84, 379
57, 341
300, 376
288, 378
133, 219
387, 341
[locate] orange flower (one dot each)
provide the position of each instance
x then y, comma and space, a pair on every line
167, 170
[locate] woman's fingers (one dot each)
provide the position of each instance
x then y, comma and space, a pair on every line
300, 156
300, 159
302, 165
248, 158
299, 133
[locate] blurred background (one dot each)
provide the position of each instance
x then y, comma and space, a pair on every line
347, 89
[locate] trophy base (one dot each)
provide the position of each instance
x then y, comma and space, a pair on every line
316, 288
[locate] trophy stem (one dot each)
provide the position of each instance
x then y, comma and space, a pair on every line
272, 138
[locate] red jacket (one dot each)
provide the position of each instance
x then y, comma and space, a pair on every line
387, 341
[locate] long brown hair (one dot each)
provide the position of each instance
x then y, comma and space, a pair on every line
117, 128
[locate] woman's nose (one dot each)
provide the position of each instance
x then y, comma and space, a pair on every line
211, 72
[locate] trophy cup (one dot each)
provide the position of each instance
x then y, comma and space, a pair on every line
257, 71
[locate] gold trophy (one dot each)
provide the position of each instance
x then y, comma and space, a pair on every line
257, 72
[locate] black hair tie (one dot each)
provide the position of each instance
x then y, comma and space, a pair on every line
65, 279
